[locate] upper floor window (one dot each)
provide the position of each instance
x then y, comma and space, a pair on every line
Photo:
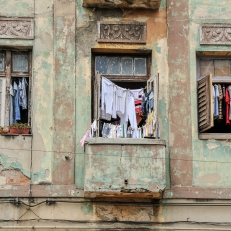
214, 94
15, 87
125, 97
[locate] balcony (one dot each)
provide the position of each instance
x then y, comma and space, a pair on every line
126, 4
125, 168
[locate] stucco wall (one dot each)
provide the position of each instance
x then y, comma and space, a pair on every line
42, 85
86, 42
211, 158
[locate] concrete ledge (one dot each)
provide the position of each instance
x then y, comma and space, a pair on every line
215, 136
41, 191
125, 141
151, 195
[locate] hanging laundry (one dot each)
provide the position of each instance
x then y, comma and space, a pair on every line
112, 133
106, 130
138, 94
121, 95
138, 118
216, 99
130, 113
23, 97
227, 101
82, 141
17, 112
129, 132
12, 120
144, 131
107, 95
229, 89
220, 117
119, 131
131, 106
114, 116
93, 129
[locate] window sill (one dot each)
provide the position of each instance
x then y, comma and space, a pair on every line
215, 136
8, 134
124, 141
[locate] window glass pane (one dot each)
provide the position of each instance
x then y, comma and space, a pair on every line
140, 66
2, 61
222, 67
101, 64
127, 68
114, 66
20, 62
206, 67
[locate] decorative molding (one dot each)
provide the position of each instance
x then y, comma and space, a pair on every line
215, 34
122, 32
20, 28
124, 4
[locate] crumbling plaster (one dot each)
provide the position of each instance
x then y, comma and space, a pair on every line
86, 43
42, 90
211, 158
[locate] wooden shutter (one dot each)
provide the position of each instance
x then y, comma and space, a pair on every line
153, 84
97, 83
205, 103
2, 101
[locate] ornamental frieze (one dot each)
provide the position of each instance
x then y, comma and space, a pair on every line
122, 32
16, 28
216, 34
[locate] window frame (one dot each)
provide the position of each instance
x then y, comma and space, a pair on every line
215, 80
151, 81
125, 78
8, 74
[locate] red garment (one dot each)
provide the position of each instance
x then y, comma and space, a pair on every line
138, 103
227, 102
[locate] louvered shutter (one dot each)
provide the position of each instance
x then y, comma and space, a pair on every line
205, 103
153, 84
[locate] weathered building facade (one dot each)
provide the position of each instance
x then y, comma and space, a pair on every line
49, 181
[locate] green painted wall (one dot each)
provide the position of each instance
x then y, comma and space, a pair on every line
86, 40
211, 158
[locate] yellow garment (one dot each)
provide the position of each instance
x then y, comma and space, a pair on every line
149, 124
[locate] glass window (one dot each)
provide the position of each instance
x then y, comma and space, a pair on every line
127, 66
20, 62
2, 61
119, 66
140, 66
114, 66
101, 64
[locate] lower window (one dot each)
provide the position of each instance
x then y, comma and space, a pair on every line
15, 87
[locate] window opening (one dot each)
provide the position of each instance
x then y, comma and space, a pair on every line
15, 87
214, 91
123, 106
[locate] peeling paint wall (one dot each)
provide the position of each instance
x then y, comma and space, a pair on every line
52, 164
211, 157
42, 93
86, 42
